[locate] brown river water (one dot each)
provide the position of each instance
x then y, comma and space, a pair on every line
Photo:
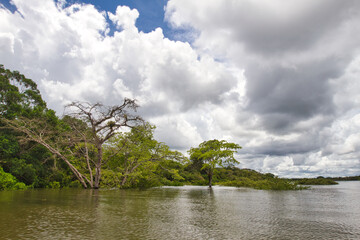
189, 212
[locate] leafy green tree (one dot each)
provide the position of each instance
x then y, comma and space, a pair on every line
136, 155
19, 95
214, 153
84, 131
20, 98
103, 122
8, 181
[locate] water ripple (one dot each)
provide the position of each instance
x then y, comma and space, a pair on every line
182, 213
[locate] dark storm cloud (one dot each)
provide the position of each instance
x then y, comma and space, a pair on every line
286, 147
289, 77
284, 96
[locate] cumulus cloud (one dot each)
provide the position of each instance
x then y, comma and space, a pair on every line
124, 18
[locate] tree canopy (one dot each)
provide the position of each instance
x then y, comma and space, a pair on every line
137, 152
27, 161
18, 95
214, 153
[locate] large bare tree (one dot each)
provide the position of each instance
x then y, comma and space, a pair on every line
103, 123
84, 129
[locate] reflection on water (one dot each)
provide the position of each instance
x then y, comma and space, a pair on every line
326, 212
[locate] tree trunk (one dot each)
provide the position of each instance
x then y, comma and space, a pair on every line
127, 172
97, 177
98, 167
38, 138
91, 181
78, 175
123, 181
210, 175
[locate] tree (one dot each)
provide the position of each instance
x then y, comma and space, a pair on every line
53, 135
84, 130
136, 153
19, 97
103, 123
214, 153
8, 181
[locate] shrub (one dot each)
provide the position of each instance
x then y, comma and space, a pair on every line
316, 181
8, 181
268, 184
75, 184
54, 184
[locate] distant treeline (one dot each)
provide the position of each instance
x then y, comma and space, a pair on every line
353, 178
315, 181
324, 180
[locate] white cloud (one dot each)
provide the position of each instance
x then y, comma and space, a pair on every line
124, 18
178, 131
7, 42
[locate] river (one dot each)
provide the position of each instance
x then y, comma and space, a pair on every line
189, 212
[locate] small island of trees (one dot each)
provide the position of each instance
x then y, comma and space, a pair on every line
97, 146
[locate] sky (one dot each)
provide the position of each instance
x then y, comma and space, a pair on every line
280, 78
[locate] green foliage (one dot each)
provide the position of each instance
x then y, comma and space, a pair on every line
75, 184
236, 177
19, 95
316, 181
268, 184
171, 173
146, 180
350, 178
195, 178
54, 184
28, 161
136, 159
9, 182
110, 179
213, 153
8, 145
233, 173
22, 170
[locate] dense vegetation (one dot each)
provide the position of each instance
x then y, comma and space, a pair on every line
315, 181
249, 178
213, 153
28, 162
96, 146
352, 178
